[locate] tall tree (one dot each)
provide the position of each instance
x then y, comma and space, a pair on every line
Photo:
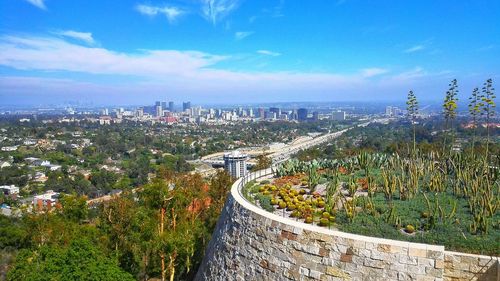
412, 111
450, 109
488, 108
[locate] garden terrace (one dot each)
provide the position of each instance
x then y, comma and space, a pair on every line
250, 243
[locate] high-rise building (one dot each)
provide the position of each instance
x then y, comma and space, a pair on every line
158, 103
159, 111
171, 106
164, 105
235, 163
186, 105
139, 112
275, 110
302, 114
338, 115
315, 116
104, 111
261, 113
388, 111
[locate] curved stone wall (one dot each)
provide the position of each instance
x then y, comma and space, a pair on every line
252, 244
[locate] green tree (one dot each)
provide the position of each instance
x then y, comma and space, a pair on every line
412, 112
263, 162
81, 260
74, 207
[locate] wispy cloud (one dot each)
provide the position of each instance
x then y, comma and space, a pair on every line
170, 12
268, 53
373, 71
38, 3
486, 48
82, 36
54, 54
240, 35
215, 10
185, 72
414, 49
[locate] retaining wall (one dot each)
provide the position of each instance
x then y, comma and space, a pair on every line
252, 244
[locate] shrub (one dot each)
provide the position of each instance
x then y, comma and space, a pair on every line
265, 202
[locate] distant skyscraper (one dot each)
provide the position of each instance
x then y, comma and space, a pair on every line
261, 113
302, 114
315, 116
186, 106
171, 106
139, 112
388, 111
158, 103
159, 111
275, 110
235, 163
338, 115
164, 105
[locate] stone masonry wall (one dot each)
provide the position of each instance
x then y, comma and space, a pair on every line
461, 266
251, 244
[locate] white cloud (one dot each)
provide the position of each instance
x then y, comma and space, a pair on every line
414, 49
374, 71
170, 12
183, 72
268, 53
242, 34
38, 3
215, 10
82, 36
54, 54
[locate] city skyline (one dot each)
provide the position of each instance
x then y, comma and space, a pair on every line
229, 52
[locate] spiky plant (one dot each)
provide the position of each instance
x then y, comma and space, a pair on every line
474, 112
450, 109
412, 111
488, 108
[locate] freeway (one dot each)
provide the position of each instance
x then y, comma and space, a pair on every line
285, 152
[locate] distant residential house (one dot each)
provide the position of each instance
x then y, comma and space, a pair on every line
31, 159
4, 164
42, 163
9, 148
46, 201
105, 120
10, 190
40, 177
54, 167
29, 142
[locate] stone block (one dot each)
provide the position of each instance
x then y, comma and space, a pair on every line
416, 252
315, 274
430, 271
336, 272
374, 263
345, 258
439, 264
415, 269
304, 271
426, 262
436, 255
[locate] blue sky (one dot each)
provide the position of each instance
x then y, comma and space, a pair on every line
227, 51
